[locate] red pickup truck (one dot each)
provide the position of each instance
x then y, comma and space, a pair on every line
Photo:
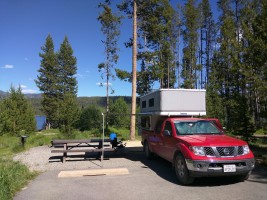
198, 148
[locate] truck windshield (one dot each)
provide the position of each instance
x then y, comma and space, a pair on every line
195, 127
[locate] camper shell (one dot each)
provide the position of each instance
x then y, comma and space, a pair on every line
178, 102
163, 103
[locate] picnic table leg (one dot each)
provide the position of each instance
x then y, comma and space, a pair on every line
100, 146
64, 154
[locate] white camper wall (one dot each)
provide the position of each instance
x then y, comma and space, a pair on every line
174, 102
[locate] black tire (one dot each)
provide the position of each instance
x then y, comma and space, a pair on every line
181, 171
148, 153
243, 177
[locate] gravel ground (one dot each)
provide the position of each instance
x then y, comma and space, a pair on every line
41, 159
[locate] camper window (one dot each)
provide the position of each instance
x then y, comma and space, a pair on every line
151, 102
143, 104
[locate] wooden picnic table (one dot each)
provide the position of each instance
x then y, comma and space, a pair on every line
82, 145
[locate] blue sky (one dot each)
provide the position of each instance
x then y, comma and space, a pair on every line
24, 26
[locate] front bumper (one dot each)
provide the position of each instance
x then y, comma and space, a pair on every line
204, 168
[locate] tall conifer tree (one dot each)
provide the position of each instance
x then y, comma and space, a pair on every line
110, 28
206, 41
56, 80
67, 68
68, 88
48, 82
190, 36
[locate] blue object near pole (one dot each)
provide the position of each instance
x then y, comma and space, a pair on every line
112, 136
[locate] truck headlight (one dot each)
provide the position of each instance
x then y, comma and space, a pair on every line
245, 150
198, 150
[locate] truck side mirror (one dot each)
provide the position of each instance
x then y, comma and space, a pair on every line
167, 133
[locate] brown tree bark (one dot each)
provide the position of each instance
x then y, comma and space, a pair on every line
134, 61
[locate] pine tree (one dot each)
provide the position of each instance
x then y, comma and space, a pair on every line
90, 118
227, 68
110, 28
16, 114
190, 36
67, 88
67, 68
56, 79
157, 31
48, 82
69, 114
158, 24
254, 19
144, 80
223, 62
206, 41
118, 114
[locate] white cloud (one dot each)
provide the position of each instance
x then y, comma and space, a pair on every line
25, 90
8, 67
80, 75
21, 86
28, 91
26, 59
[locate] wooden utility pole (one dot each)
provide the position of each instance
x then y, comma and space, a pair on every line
134, 61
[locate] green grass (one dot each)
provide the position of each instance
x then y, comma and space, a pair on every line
13, 177
13, 174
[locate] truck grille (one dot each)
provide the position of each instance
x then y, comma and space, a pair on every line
209, 151
224, 151
240, 150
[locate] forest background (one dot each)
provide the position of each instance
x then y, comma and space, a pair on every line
179, 46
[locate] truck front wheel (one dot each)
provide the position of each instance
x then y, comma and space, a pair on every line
181, 170
243, 177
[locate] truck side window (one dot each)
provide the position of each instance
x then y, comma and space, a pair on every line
145, 122
158, 127
168, 127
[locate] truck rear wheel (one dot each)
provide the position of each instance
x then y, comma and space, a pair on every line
148, 153
181, 171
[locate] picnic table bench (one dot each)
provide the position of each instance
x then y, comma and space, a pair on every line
83, 145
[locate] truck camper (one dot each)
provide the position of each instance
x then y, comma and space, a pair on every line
173, 126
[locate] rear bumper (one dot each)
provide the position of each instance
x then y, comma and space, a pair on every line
203, 168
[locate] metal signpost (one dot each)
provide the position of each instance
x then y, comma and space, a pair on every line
103, 135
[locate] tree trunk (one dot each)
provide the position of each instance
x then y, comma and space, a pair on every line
133, 116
